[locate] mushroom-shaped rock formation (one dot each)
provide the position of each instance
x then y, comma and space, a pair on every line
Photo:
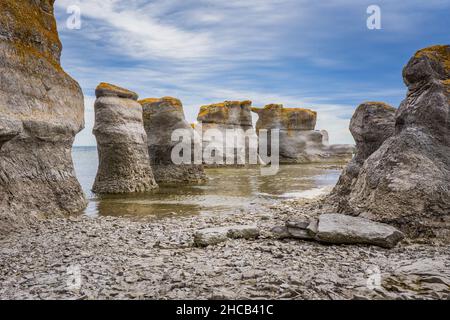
371, 124
42, 109
299, 142
407, 180
234, 117
161, 118
124, 164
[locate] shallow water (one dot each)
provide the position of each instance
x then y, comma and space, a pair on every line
228, 190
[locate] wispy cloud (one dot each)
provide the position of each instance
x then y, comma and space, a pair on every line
315, 54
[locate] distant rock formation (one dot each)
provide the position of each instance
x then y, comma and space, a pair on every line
161, 118
124, 164
371, 124
42, 110
299, 142
220, 117
407, 180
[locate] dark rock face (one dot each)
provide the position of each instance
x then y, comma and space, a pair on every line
407, 180
299, 142
228, 115
161, 118
42, 110
124, 164
371, 124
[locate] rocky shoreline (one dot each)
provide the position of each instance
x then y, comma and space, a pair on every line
124, 258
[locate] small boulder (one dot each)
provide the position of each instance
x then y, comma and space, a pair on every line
212, 236
343, 229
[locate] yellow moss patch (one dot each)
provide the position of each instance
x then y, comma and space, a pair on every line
114, 88
440, 53
148, 101
31, 23
379, 104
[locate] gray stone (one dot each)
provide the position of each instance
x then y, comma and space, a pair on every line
42, 109
297, 233
281, 232
161, 118
212, 236
343, 229
124, 164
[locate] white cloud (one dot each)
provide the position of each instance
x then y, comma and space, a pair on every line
205, 51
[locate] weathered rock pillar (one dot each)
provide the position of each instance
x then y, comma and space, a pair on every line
124, 164
232, 116
42, 110
161, 118
371, 124
299, 142
406, 181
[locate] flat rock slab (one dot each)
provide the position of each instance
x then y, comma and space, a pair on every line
212, 236
343, 229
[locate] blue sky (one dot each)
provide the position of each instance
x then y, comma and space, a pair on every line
312, 54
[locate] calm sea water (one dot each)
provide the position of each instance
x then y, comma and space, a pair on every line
227, 190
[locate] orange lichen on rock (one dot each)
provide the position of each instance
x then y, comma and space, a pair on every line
379, 104
439, 53
164, 104
22, 21
227, 112
109, 90
276, 116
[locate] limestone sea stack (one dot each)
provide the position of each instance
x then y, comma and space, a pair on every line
406, 182
124, 163
371, 124
228, 115
299, 141
42, 109
161, 118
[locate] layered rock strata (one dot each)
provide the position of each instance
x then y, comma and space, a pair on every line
298, 141
42, 109
234, 118
162, 117
124, 163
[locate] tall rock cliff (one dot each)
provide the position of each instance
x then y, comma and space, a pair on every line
407, 180
42, 110
161, 118
124, 163
299, 142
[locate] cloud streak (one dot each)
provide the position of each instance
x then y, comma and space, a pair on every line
302, 53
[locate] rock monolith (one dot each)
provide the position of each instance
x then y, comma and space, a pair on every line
406, 182
124, 163
162, 117
299, 142
42, 109
234, 117
371, 124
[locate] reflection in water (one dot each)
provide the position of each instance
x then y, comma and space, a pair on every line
227, 190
